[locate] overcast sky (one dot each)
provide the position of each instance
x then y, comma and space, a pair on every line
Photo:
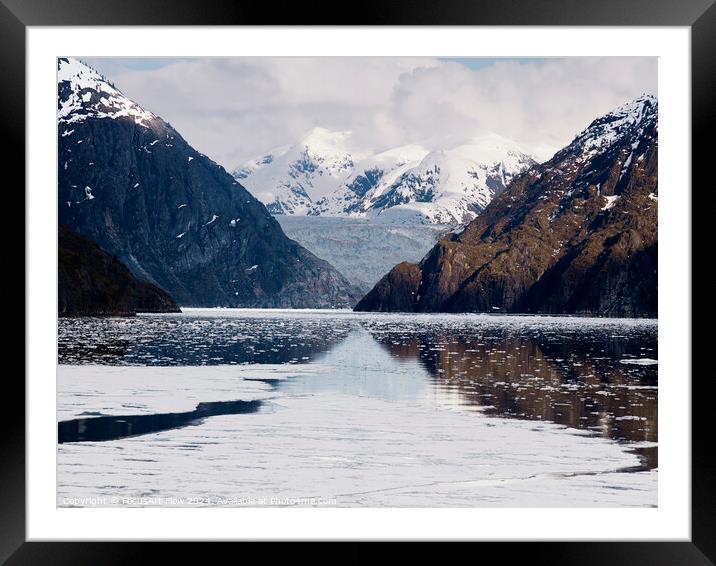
238, 108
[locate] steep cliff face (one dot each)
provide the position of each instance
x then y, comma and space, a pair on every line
94, 283
130, 182
577, 234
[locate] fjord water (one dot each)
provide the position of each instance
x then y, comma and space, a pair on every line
377, 409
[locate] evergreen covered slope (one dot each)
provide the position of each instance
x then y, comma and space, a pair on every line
130, 182
94, 283
577, 234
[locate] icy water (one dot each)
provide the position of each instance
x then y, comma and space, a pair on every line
260, 407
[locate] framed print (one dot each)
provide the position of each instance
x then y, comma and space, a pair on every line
392, 278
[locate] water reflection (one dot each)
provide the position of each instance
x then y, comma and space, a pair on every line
568, 371
196, 340
361, 366
572, 379
114, 427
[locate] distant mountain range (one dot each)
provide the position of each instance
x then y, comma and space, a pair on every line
577, 234
322, 175
129, 182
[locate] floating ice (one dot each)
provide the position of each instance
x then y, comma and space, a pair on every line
640, 362
346, 450
363, 420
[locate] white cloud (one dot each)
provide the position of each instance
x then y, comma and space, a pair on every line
234, 109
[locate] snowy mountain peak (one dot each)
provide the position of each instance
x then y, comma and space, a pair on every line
629, 119
449, 186
321, 175
399, 155
83, 93
326, 149
250, 166
325, 142
290, 180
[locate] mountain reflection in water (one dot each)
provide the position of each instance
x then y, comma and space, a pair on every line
577, 382
568, 370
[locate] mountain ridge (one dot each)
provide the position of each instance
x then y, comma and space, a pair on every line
405, 184
131, 183
577, 234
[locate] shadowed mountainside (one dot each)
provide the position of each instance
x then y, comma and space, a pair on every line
93, 283
130, 182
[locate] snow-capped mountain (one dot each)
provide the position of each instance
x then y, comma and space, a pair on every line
449, 186
128, 181
630, 119
290, 181
379, 170
251, 166
576, 234
624, 134
409, 184
83, 93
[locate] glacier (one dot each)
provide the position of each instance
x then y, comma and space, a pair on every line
362, 249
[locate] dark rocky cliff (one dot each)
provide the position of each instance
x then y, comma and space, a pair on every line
94, 283
575, 235
130, 182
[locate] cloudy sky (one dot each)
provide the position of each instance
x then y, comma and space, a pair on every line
238, 108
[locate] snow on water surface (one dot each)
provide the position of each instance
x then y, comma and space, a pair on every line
335, 449
641, 361
144, 390
363, 409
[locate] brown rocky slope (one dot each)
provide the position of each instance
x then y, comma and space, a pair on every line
575, 235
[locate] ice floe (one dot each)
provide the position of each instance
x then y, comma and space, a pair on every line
339, 449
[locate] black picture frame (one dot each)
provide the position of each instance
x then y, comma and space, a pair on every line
17, 15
